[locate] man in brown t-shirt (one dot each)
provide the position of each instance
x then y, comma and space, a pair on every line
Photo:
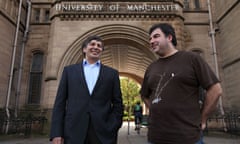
171, 91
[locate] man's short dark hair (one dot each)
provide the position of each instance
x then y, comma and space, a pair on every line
167, 29
89, 39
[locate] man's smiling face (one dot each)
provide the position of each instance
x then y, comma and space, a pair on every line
93, 50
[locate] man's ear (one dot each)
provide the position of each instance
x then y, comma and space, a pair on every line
169, 37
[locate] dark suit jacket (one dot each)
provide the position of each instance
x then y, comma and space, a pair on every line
73, 103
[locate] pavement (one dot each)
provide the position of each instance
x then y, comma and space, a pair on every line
127, 135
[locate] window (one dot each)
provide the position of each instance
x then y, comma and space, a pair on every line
197, 4
47, 13
186, 4
36, 15
35, 79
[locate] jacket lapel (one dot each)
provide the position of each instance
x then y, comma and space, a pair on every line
80, 73
100, 77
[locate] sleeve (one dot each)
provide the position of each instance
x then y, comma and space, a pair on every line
57, 123
117, 100
145, 91
205, 75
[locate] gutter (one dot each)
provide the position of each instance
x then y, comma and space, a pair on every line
212, 34
25, 38
12, 66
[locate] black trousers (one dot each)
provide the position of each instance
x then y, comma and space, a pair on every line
91, 137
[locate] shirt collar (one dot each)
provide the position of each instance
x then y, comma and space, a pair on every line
85, 62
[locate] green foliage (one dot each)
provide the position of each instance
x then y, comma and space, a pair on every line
130, 93
126, 118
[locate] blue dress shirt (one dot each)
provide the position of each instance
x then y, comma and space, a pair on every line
91, 73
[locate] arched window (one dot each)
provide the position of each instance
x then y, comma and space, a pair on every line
35, 79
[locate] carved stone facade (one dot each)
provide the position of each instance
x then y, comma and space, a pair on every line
57, 29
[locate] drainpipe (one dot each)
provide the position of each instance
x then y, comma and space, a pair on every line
212, 34
12, 66
25, 36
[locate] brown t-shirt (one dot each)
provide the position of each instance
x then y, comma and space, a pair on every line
175, 119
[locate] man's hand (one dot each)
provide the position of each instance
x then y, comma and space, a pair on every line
210, 103
57, 140
203, 125
146, 101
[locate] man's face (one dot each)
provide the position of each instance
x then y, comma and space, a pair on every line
159, 43
93, 50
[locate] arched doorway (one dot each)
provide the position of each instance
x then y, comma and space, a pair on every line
126, 49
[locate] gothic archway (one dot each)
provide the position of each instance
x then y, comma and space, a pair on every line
126, 49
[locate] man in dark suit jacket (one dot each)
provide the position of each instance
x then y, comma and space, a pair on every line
88, 108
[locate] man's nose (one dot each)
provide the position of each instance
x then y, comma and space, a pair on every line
151, 41
95, 47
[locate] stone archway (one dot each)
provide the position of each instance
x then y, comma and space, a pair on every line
126, 49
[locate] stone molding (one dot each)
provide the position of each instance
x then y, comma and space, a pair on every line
117, 10
106, 17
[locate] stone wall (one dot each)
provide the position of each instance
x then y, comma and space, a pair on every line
227, 16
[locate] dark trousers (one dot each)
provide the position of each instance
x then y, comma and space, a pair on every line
91, 137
